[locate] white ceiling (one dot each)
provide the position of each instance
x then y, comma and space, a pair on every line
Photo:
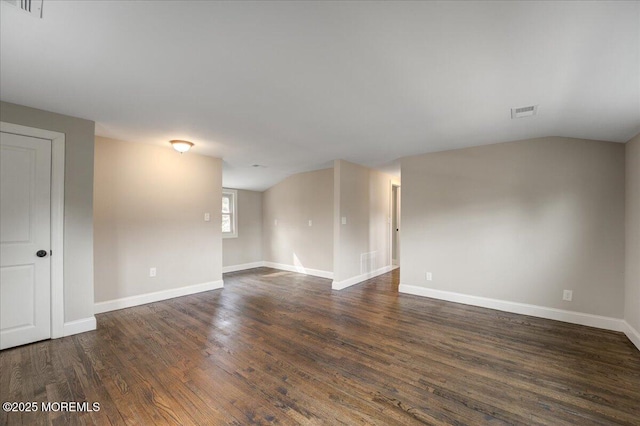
294, 85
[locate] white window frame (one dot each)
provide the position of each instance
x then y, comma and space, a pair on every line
232, 194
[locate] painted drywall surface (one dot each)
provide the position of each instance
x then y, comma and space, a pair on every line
632, 271
247, 247
520, 222
292, 203
149, 211
362, 244
78, 201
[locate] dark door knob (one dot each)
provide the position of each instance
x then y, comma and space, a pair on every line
41, 253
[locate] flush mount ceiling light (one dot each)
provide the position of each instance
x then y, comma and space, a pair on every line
181, 146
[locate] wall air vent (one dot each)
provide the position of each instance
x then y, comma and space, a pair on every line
368, 262
32, 7
526, 111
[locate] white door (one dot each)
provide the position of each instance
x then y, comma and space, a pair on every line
395, 225
25, 240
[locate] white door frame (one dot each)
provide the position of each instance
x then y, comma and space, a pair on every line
57, 218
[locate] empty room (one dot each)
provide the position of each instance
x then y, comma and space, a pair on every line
319, 212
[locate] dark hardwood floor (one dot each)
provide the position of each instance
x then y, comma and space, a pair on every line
278, 347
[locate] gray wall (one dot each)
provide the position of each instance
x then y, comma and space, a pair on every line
362, 196
78, 201
519, 222
632, 273
149, 212
247, 247
293, 202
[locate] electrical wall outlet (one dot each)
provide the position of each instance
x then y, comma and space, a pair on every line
567, 295
152, 272
207, 217
429, 276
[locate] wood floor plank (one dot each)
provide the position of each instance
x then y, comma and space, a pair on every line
276, 347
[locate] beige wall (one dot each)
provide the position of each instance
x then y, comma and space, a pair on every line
632, 273
293, 202
362, 196
149, 210
519, 222
247, 247
78, 201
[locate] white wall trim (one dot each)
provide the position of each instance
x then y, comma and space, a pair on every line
632, 334
79, 326
300, 269
143, 299
242, 267
607, 323
57, 139
281, 266
339, 285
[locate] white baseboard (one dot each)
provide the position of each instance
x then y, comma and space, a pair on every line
79, 326
242, 267
339, 285
632, 334
580, 318
300, 269
143, 299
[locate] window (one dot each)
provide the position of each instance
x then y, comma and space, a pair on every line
229, 213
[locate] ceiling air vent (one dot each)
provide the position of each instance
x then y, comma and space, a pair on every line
32, 7
521, 112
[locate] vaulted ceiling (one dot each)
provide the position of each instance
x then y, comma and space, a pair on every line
294, 85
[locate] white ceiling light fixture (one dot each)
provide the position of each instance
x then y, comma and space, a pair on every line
181, 146
526, 111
